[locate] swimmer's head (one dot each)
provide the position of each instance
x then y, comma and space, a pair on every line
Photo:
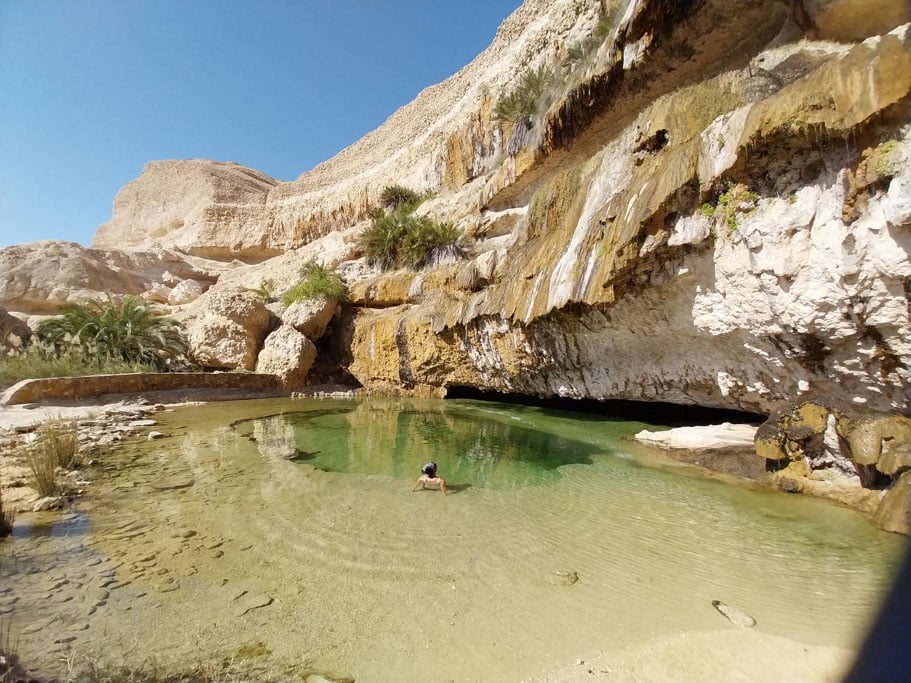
430, 469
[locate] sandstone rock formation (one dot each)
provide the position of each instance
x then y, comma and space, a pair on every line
310, 317
227, 329
288, 354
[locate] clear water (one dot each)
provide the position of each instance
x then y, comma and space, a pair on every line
561, 538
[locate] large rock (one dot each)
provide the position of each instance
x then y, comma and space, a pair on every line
175, 203
288, 354
310, 317
14, 333
228, 329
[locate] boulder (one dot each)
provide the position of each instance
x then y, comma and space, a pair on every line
186, 291
288, 354
894, 511
219, 342
310, 317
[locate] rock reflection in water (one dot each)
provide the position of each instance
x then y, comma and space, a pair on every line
477, 448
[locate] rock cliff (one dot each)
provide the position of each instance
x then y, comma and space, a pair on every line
709, 207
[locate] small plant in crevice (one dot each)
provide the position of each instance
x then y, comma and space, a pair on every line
734, 201
317, 281
887, 158
265, 290
580, 51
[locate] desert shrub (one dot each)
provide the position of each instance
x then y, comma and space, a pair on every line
528, 98
55, 447
130, 330
394, 196
579, 51
398, 239
317, 281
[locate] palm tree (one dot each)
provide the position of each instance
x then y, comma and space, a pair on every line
131, 330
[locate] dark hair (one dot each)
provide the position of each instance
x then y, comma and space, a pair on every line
430, 469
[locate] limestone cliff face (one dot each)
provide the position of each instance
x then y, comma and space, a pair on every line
717, 212
714, 208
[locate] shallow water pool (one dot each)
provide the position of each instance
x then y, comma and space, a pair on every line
288, 529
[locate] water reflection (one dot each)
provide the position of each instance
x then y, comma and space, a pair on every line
393, 438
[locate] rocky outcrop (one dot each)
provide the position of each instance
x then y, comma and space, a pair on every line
38, 277
310, 317
181, 203
228, 330
14, 333
840, 452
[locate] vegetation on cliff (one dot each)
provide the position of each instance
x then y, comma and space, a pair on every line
317, 281
399, 239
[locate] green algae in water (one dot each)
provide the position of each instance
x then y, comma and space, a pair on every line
474, 443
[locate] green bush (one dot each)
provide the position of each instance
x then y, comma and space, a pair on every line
528, 98
317, 281
399, 239
394, 196
130, 330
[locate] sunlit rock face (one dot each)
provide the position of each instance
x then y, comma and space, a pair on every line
714, 208
734, 241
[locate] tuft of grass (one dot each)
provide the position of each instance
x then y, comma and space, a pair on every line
55, 448
736, 200
528, 98
394, 196
317, 281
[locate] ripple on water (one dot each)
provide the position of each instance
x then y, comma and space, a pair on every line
551, 544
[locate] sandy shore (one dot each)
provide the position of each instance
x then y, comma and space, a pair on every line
732, 655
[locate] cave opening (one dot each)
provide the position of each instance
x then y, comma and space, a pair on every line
671, 414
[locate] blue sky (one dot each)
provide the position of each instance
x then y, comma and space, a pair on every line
90, 90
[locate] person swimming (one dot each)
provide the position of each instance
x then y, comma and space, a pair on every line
429, 478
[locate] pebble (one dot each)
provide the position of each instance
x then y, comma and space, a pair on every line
65, 639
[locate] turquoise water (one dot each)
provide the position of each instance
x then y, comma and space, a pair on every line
561, 538
474, 443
